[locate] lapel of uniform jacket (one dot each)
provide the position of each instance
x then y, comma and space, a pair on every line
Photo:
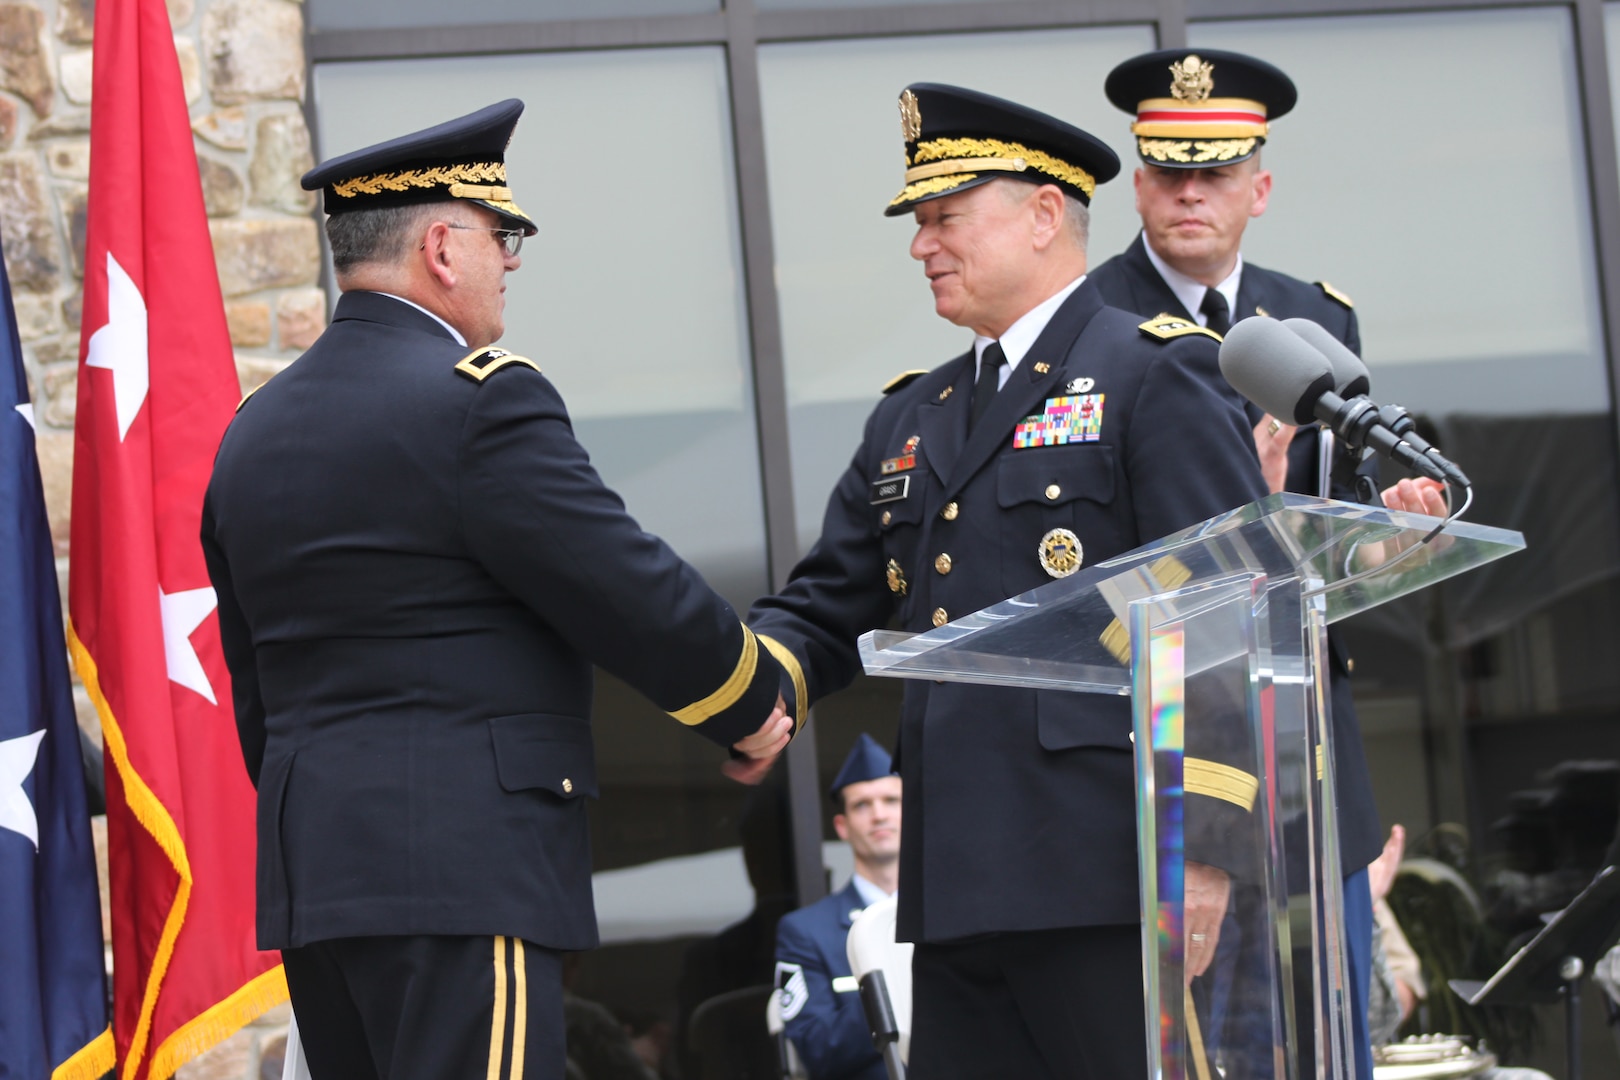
1026, 386
942, 419
1150, 289
1252, 296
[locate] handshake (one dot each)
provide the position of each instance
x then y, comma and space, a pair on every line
759, 750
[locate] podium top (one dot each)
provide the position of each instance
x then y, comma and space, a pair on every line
1071, 634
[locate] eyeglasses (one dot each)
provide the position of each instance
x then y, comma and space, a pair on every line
510, 239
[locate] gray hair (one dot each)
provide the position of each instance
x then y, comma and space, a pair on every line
1077, 220
382, 235
1076, 215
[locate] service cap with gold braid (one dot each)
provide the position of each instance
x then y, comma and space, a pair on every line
1199, 108
957, 139
463, 158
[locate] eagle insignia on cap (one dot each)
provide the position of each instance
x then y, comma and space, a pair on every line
910, 116
1192, 79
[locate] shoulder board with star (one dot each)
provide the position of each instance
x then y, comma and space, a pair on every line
1335, 294
905, 378
1166, 327
485, 362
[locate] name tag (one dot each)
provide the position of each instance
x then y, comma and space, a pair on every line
891, 490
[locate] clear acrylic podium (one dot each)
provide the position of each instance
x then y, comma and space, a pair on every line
1219, 634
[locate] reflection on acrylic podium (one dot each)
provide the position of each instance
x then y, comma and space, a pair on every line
1219, 634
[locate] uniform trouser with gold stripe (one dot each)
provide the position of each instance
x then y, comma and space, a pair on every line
428, 1007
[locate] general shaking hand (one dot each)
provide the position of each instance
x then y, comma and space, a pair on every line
760, 749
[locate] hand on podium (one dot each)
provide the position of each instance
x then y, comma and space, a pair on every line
760, 749
1206, 892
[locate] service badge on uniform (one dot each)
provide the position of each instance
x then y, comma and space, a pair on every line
897, 579
1060, 553
907, 458
791, 990
1082, 385
1062, 420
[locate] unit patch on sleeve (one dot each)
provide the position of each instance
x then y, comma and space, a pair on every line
1071, 419
791, 989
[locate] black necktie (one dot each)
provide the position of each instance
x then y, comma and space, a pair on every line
984, 391
1219, 316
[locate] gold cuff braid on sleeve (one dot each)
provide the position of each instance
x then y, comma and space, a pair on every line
1211, 778
730, 692
785, 657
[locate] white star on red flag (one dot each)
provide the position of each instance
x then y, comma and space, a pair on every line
183, 612
120, 345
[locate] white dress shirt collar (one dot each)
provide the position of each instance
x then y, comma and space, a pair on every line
453, 331
1190, 292
1020, 336
870, 893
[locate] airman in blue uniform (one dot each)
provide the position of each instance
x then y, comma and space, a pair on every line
821, 1006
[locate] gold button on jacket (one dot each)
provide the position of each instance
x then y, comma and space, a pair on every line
1053, 491
943, 563
950, 511
940, 618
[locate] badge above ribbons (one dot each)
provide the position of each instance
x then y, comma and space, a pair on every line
1069, 419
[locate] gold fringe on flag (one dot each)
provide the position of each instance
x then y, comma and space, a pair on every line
262, 993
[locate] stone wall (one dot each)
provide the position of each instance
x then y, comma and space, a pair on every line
242, 63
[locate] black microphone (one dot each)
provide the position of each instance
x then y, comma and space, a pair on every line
1288, 376
1352, 380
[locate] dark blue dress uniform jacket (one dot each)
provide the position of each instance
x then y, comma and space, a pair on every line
416, 569
829, 1031
1019, 804
1131, 281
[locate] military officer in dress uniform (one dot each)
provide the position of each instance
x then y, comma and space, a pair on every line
824, 1018
1201, 119
416, 568
1069, 432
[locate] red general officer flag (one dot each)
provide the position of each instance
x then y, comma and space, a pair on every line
157, 386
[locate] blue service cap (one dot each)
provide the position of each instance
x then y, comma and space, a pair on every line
464, 158
866, 761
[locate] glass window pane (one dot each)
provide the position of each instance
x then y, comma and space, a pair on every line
823, 5
856, 309
1469, 266
630, 299
397, 14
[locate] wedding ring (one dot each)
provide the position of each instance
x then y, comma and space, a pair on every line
1273, 427
1198, 937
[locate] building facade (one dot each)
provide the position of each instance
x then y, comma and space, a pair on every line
716, 293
